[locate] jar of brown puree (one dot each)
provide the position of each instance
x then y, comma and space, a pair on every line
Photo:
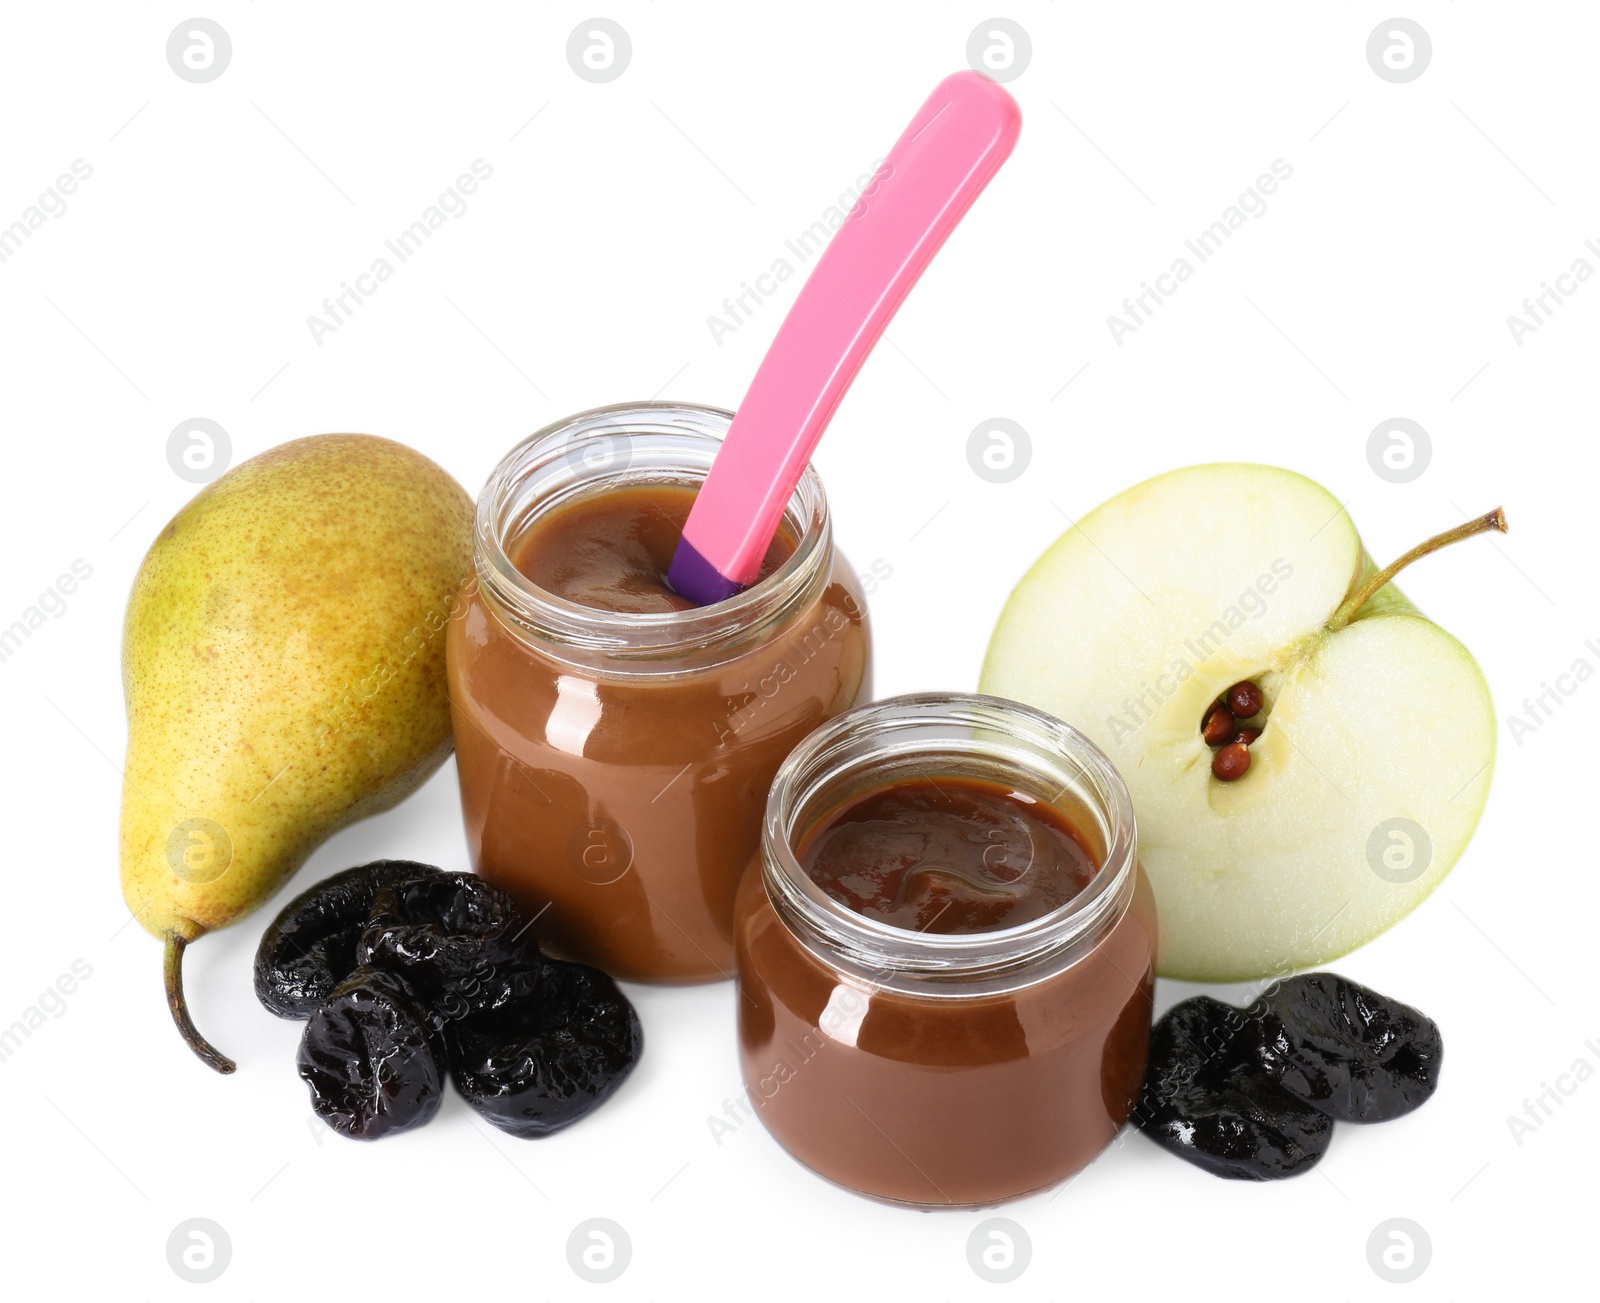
945, 952
615, 743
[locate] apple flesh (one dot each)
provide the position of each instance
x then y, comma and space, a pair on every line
1158, 601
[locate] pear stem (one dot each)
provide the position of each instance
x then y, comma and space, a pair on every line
1495, 520
172, 971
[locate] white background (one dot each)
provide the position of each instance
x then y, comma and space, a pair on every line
178, 282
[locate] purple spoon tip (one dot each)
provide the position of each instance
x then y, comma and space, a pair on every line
693, 577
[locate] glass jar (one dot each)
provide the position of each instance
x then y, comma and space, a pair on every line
938, 1069
614, 766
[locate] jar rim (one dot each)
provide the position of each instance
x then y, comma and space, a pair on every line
953, 727
634, 440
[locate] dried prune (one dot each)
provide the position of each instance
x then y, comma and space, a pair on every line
531, 1070
1208, 1100
372, 1058
457, 939
1346, 1050
311, 946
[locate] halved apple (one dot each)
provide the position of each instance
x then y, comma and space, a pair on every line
1377, 738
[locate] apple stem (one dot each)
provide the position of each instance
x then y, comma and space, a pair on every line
172, 971
1495, 520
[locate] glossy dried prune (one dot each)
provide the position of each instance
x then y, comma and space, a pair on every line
457, 939
311, 946
1346, 1050
532, 1071
372, 1058
1207, 1099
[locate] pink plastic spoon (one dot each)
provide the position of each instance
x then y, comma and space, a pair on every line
941, 163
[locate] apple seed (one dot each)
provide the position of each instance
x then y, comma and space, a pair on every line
1245, 699
1231, 763
1218, 725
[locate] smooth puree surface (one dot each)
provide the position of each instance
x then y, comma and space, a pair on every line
947, 854
611, 550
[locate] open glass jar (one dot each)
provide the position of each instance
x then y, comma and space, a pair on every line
945, 1068
614, 765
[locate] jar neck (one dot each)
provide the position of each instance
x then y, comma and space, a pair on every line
934, 735
610, 448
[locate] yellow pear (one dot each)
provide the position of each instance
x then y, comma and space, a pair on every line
284, 667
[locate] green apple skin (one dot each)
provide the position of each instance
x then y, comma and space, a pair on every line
1138, 617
